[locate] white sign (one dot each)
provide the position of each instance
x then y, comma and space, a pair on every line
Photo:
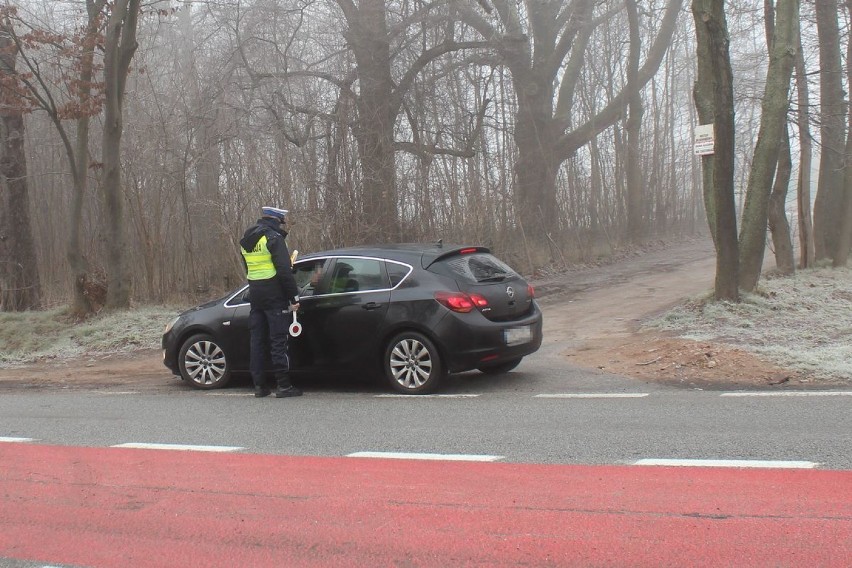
704, 140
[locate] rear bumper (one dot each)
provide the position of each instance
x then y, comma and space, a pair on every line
471, 340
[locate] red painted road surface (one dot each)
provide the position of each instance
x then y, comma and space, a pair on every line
105, 507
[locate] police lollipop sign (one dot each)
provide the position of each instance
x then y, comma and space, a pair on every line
295, 327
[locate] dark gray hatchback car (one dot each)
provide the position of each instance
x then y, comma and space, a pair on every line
411, 312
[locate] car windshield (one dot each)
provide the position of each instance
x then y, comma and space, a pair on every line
480, 268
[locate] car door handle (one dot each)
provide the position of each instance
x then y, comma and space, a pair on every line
371, 306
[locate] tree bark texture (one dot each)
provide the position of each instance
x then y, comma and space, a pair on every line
803, 189
844, 244
715, 83
779, 226
374, 133
636, 198
120, 45
828, 205
82, 302
773, 125
20, 286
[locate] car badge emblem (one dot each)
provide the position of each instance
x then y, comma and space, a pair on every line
510, 292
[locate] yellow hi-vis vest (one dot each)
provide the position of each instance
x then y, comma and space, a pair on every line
259, 261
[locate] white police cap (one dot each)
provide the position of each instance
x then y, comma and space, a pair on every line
274, 212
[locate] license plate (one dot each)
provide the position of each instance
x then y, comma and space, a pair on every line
518, 335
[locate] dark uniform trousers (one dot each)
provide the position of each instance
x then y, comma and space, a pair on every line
269, 326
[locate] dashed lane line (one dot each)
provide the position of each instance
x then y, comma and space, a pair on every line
787, 393
229, 394
420, 456
179, 447
778, 464
16, 440
594, 395
418, 396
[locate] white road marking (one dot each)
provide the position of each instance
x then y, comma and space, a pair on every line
180, 447
116, 392
789, 393
416, 456
417, 396
729, 463
594, 395
229, 394
15, 440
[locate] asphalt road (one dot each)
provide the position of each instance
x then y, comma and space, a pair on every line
292, 482
520, 416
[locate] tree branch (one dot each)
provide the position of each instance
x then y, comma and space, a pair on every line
425, 58
572, 141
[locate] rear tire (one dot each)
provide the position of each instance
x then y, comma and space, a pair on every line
500, 368
412, 364
203, 363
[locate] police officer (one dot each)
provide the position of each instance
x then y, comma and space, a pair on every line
272, 293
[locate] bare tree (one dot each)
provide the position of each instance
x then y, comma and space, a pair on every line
20, 287
119, 46
543, 44
773, 128
803, 190
636, 219
83, 98
715, 105
844, 244
828, 205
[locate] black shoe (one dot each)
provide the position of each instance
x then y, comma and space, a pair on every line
261, 392
289, 391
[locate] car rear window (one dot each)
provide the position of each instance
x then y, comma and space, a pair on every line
476, 268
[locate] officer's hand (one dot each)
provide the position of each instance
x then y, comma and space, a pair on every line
294, 307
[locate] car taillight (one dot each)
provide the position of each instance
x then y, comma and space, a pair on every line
478, 301
456, 301
530, 291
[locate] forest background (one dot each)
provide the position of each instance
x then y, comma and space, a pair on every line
551, 131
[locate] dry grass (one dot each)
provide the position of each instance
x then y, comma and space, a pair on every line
803, 322
30, 336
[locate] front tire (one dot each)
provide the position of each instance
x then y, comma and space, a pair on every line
412, 364
203, 363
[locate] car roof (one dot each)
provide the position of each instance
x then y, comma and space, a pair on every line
426, 253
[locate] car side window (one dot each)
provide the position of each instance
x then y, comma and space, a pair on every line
397, 272
309, 277
357, 275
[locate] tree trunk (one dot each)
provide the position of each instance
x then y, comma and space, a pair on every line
714, 99
773, 125
120, 45
20, 287
636, 198
537, 165
803, 190
368, 37
828, 206
81, 302
844, 243
778, 224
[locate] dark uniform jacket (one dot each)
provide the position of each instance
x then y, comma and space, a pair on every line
281, 289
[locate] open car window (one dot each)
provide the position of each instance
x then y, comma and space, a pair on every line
310, 277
